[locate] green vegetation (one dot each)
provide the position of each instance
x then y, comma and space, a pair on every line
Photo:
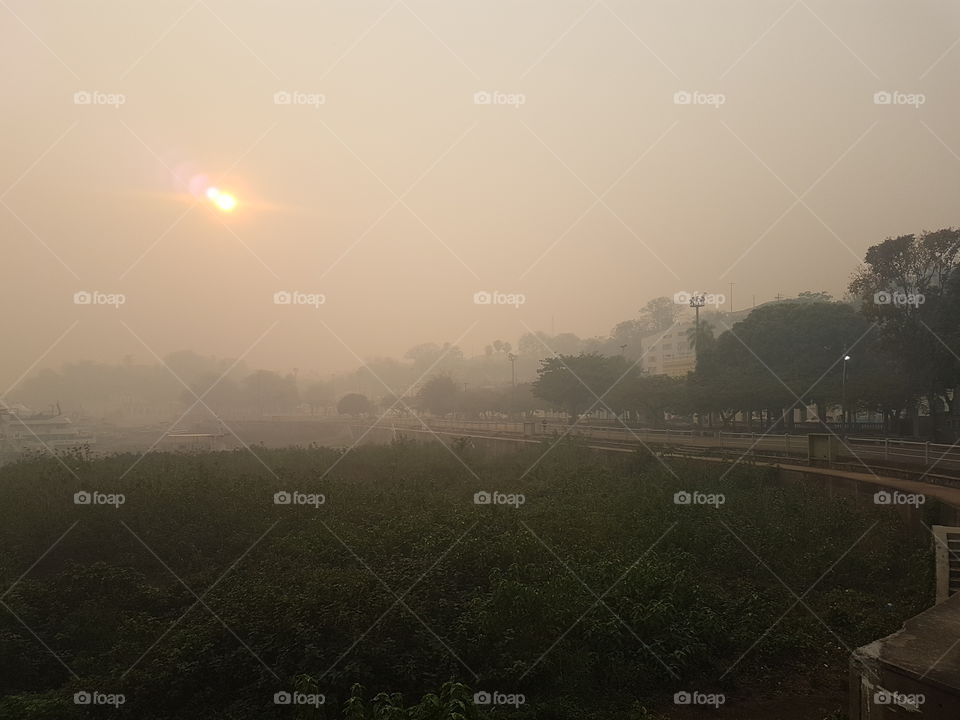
399, 586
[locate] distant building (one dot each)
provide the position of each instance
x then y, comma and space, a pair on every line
669, 352
20, 432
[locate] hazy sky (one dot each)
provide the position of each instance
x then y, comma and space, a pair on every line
399, 196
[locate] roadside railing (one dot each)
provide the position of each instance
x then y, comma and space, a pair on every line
892, 452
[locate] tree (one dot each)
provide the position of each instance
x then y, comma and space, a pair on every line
439, 394
659, 314
906, 286
574, 382
270, 393
353, 404
318, 395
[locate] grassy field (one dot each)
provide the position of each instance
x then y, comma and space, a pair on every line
383, 590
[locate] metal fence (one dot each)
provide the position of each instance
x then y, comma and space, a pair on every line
889, 452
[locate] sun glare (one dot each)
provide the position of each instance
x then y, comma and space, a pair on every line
224, 201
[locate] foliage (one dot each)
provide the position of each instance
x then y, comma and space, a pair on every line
306, 598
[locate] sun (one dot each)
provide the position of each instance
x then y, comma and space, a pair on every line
223, 201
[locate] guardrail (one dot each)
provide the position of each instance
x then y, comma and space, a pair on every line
889, 452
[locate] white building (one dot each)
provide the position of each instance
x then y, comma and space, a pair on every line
668, 352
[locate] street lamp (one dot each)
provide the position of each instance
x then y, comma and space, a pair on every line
843, 390
697, 302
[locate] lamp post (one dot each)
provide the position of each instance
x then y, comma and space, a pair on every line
843, 391
697, 302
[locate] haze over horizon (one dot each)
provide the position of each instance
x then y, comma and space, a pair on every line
379, 179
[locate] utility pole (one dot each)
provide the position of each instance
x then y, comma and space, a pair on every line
697, 302
731, 298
